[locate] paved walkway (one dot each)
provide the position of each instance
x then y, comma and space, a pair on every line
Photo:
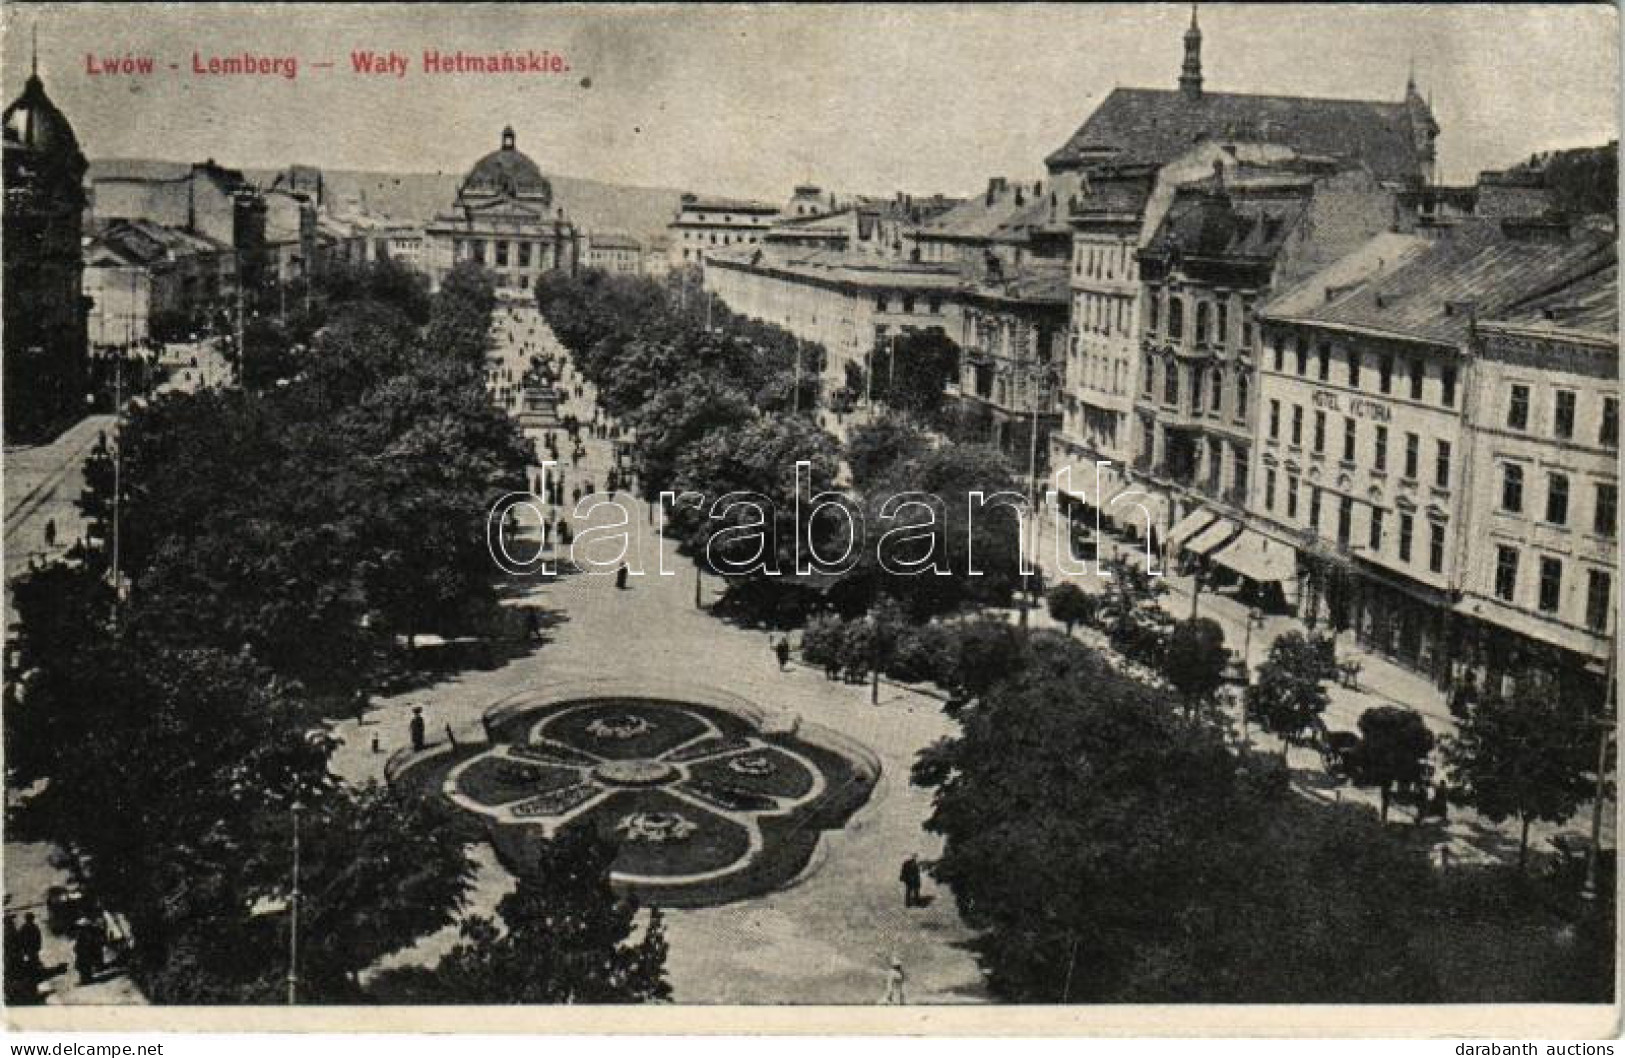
826, 938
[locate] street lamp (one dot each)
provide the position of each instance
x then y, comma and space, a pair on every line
293, 913
1038, 378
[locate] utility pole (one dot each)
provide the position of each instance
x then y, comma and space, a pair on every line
293, 915
1605, 731
1033, 388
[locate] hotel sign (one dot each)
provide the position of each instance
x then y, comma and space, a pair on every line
1358, 407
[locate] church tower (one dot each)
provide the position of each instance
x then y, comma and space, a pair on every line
1424, 129
1190, 75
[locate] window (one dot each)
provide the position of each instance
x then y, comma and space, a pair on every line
1350, 436
1416, 379
1320, 430
1275, 419
1303, 356
524, 255
1376, 530
502, 253
1551, 584
1153, 304
1597, 603
1506, 572
479, 250
1247, 327
1563, 414
1241, 396
1518, 409
1441, 465
1170, 383
1221, 324
1176, 318
1325, 362
1512, 488
882, 303
1269, 489
1354, 369
908, 304
1557, 499
1148, 369
1447, 381
1345, 520
1407, 523
1413, 452
934, 306
1280, 355
1203, 320
1196, 391
1385, 374
1606, 513
1608, 433
1379, 454
1314, 506
1436, 547
1291, 496
1216, 394
1297, 425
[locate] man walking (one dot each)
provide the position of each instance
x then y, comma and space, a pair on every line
782, 650
895, 979
910, 877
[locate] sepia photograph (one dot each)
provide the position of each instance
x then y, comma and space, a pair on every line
929, 518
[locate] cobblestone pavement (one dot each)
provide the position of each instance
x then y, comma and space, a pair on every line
826, 938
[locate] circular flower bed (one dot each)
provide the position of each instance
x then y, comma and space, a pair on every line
619, 728
656, 827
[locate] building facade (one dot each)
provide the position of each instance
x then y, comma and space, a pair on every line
615, 253
504, 220
1541, 555
45, 314
1363, 463
705, 224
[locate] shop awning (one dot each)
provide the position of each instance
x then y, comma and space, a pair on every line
1259, 558
1189, 526
1136, 507
1210, 538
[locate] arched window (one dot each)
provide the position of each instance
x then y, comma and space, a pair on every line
1202, 321
1153, 307
1241, 396
1216, 395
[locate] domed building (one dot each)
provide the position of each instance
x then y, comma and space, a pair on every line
505, 220
44, 338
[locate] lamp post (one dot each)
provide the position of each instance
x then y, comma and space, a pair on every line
1037, 378
1255, 617
1605, 726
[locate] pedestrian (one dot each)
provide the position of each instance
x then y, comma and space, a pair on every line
533, 626
417, 729
451, 739
895, 979
620, 577
910, 877
87, 951
782, 650
30, 943
50, 532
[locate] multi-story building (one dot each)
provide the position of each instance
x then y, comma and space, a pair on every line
706, 223
504, 220
144, 281
614, 252
45, 354
1013, 343
1361, 469
1224, 243
1541, 548
1118, 172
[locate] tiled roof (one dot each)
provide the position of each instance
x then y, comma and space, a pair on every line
1477, 269
1587, 306
613, 240
1002, 220
738, 205
1240, 224
1382, 253
1037, 282
835, 266
1154, 126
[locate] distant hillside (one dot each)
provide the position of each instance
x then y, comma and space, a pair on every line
592, 204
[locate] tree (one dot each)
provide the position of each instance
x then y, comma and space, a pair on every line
1070, 605
821, 641
1526, 756
1286, 696
1195, 660
1394, 748
873, 449
912, 372
565, 937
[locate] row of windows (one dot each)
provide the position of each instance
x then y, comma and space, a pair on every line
1604, 507
1549, 594
712, 239
500, 251
1351, 440
1101, 314
1104, 262
1215, 387
1564, 403
1415, 370
1375, 525
933, 304
1212, 319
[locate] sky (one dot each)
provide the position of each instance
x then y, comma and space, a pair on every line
751, 100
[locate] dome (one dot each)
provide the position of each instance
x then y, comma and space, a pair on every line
508, 172
33, 121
